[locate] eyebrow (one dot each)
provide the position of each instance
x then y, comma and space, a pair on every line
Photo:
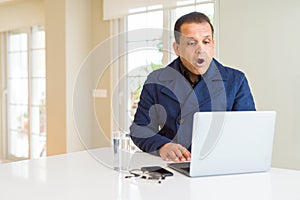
192, 38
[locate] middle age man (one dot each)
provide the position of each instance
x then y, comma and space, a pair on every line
193, 82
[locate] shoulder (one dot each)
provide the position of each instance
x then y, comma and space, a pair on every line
170, 72
230, 72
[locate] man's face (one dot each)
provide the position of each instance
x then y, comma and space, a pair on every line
196, 47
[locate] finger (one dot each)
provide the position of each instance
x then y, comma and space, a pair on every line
187, 155
173, 156
179, 154
164, 156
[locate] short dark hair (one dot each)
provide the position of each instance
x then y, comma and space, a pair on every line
193, 17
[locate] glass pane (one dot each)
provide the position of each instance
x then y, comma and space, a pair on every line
182, 11
17, 42
144, 58
145, 20
38, 37
135, 80
18, 144
207, 9
37, 146
144, 39
38, 120
38, 63
38, 91
185, 2
18, 118
18, 91
38, 131
18, 64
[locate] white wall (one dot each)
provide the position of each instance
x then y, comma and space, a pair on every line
262, 39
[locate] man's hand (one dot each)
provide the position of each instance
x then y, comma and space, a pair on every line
174, 152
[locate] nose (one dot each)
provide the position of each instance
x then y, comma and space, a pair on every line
199, 48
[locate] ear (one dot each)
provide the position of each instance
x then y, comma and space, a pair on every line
176, 49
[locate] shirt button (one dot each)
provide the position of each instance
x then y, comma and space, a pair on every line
181, 121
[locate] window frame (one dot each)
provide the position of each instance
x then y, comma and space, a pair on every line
6, 154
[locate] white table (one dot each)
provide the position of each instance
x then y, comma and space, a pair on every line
81, 176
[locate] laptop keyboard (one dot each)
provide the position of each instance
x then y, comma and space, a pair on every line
184, 166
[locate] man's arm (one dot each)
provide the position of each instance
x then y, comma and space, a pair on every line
145, 127
148, 129
244, 100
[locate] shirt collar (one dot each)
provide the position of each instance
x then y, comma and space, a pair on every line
186, 73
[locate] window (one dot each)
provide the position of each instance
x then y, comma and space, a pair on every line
147, 51
25, 88
141, 61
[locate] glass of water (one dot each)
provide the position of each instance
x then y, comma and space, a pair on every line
121, 150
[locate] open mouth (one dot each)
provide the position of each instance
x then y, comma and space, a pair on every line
200, 61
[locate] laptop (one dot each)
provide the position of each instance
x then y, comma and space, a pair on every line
230, 143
